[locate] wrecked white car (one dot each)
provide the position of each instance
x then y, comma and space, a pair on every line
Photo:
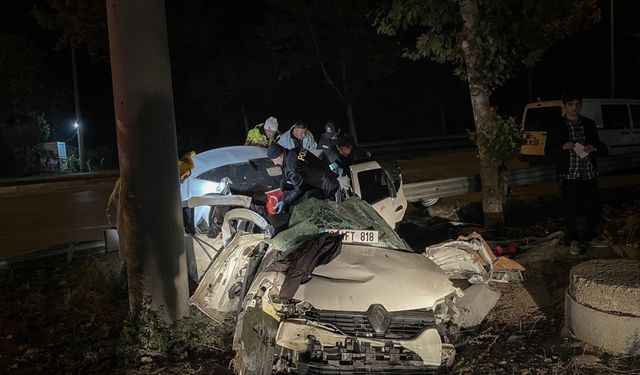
336, 292
246, 170
235, 177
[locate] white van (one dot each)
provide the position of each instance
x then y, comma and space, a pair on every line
617, 120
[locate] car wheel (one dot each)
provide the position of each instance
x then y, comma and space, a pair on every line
255, 354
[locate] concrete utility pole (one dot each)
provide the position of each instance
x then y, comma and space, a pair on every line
80, 125
149, 217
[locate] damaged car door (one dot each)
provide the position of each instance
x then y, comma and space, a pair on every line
227, 279
380, 185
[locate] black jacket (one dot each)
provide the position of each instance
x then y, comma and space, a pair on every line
357, 155
305, 171
558, 134
327, 144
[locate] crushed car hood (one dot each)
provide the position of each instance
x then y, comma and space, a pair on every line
363, 275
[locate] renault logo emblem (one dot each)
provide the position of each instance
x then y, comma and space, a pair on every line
379, 318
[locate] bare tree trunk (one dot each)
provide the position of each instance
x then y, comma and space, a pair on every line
245, 119
76, 97
342, 94
351, 125
150, 219
530, 82
479, 92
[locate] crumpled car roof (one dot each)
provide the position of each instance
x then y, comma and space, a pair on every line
309, 217
217, 157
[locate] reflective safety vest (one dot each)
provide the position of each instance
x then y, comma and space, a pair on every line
257, 135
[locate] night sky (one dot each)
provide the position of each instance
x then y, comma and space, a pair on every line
406, 104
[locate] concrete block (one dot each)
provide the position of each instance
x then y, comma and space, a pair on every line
608, 285
615, 334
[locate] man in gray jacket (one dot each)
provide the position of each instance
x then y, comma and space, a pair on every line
298, 136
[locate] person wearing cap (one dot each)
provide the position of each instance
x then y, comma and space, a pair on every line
298, 136
572, 146
305, 173
327, 142
263, 134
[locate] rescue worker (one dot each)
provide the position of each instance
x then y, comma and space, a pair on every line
263, 135
305, 173
350, 154
298, 136
327, 143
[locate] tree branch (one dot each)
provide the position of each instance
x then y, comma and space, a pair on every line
321, 61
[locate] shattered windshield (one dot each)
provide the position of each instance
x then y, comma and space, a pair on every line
310, 217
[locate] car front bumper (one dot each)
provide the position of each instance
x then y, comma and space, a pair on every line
329, 351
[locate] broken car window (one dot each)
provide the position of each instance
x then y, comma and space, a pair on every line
256, 175
308, 218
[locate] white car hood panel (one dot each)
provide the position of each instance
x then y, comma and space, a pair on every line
361, 276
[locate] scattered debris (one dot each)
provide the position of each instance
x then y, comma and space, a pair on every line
476, 303
470, 257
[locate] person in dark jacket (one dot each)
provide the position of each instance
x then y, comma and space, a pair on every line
327, 142
572, 145
350, 154
305, 173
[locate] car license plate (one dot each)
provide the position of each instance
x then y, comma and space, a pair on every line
356, 236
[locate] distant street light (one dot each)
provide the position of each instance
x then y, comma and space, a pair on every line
81, 154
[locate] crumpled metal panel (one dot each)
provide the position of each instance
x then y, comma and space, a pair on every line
456, 259
243, 214
218, 200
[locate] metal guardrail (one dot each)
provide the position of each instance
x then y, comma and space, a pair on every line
403, 142
449, 187
425, 145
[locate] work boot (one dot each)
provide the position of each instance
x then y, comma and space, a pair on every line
575, 248
598, 242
